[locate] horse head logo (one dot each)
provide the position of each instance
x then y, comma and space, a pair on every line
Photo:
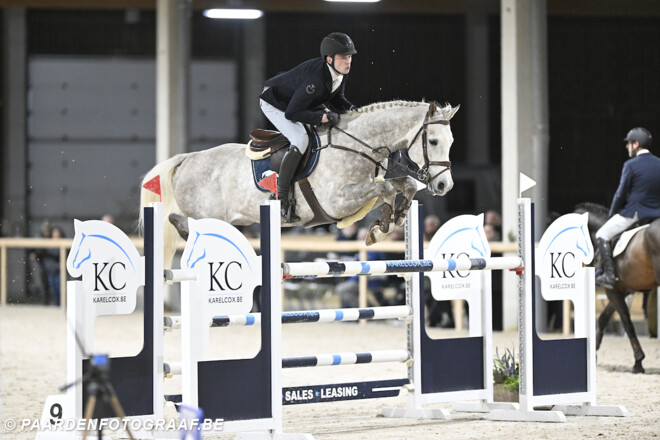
461, 235
94, 239
109, 264
569, 233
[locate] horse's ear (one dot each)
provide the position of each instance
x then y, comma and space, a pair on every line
453, 111
432, 108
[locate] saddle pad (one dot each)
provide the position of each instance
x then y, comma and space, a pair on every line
625, 238
262, 168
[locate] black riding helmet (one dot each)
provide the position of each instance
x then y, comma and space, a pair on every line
337, 43
641, 135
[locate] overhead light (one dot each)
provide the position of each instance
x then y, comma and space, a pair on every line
354, 1
237, 14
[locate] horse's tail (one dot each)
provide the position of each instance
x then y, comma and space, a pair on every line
166, 171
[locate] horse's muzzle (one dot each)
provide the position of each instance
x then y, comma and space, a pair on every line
441, 187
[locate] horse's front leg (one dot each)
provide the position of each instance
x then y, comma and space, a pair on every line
385, 193
407, 187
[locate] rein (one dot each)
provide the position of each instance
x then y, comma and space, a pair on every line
421, 173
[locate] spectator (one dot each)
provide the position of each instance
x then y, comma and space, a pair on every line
493, 225
51, 264
36, 276
431, 226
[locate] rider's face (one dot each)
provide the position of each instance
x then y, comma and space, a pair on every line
343, 63
630, 146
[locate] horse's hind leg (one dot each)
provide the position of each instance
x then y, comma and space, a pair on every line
619, 301
603, 320
180, 223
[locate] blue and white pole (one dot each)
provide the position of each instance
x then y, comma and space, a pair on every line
352, 268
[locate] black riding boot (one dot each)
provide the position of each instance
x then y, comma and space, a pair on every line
607, 278
288, 168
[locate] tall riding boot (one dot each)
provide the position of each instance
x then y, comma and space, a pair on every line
288, 168
607, 278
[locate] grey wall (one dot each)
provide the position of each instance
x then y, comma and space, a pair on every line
91, 131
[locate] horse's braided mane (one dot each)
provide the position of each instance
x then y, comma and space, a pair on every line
440, 109
594, 208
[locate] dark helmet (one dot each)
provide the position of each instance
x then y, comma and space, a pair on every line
641, 135
337, 43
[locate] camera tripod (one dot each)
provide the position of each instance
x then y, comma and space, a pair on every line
99, 388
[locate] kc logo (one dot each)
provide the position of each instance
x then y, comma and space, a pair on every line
216, 282
454, 256
563, 250
110, 266
110, 276
562, 265
227, 268
460, 237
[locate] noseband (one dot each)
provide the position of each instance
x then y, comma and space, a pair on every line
423, 172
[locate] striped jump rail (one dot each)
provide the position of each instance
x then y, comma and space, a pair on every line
329, 315
325, 360
322, 360
392, 267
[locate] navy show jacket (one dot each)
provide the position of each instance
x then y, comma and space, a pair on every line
302, 92
639, 188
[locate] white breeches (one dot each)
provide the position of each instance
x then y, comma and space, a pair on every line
614, 226
294, 131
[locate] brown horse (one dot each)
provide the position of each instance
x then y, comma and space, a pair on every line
637, 269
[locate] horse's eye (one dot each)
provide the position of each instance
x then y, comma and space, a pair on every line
433, 142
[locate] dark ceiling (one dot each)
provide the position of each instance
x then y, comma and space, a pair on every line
555, 7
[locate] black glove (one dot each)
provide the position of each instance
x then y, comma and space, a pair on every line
333, 118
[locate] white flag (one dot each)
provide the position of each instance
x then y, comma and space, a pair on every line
525, 184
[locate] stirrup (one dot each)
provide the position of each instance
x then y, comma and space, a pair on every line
289, 215
606, 280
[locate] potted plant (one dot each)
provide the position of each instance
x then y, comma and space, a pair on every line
505, 376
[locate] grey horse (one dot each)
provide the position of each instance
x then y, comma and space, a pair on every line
218, 183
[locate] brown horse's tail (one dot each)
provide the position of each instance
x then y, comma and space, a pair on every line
166, 171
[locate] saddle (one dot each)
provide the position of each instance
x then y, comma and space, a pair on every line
273, 144
266, 150
621, 241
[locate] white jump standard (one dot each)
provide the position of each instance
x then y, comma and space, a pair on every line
221, 272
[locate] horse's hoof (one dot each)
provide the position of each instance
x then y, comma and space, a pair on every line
371, 238
638, 369
599, 338
180, 223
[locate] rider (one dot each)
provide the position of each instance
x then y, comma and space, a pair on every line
638, 197
300, 96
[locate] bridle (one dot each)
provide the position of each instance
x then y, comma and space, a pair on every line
422, 173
